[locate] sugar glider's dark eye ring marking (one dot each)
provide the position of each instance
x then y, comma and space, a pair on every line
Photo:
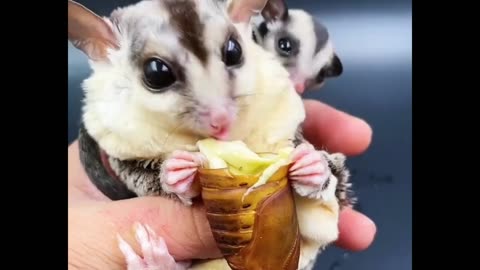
232, 53
287, 46
158, 75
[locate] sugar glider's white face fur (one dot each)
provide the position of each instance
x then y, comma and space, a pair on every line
300, 42
179, 68
167, 73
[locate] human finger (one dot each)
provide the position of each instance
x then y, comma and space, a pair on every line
334, 130
357, 231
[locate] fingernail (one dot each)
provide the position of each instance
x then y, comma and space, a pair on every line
367, 222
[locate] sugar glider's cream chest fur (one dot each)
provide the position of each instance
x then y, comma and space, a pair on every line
167, 73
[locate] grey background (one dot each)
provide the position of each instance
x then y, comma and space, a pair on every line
374, 41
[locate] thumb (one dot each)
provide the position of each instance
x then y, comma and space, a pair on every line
95, 226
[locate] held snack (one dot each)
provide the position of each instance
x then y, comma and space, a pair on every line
250, 206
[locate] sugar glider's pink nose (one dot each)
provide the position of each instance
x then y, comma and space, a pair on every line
300, 87
220, 121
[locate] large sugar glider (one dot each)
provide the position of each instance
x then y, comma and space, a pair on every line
300, 42
168, 73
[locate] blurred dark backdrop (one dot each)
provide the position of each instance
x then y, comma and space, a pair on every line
374, 40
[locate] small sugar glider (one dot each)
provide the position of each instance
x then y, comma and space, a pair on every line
166, 73
300, 42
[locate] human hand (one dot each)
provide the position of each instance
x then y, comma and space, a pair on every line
94, 220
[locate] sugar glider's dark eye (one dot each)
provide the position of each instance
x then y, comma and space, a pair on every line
285, 46
232, 53
157, 74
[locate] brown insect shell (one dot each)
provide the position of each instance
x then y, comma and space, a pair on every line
249, 230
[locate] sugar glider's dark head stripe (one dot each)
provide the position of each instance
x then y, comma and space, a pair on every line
321, 33
185, 18
263, 29
137, 48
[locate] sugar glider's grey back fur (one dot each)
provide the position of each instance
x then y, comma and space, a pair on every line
90, 157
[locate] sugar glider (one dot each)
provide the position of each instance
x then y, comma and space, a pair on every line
166, 73
300, 42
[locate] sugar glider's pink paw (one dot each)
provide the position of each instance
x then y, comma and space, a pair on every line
178, 174
309, 172
155, 255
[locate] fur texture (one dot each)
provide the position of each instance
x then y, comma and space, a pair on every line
139, 128
313, 58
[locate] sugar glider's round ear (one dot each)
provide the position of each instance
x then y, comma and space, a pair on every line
89, 32
275, 10
241, 11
